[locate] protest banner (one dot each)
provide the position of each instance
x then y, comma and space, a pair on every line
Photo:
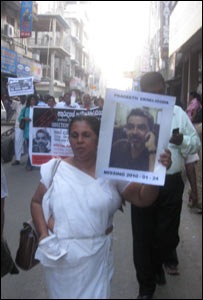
135, 130
49, 132
20, 86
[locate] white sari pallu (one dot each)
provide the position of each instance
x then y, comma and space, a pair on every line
77, 257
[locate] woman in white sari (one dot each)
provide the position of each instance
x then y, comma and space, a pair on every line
74, 218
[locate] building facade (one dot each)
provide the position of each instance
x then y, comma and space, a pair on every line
56, 54
50, 45
65, 56
16, 58
175, 40
185, 49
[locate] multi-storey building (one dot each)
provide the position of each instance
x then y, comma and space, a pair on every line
76, 12
16, 58
50, 43
185, 49
56, 54
60, 40
176, 46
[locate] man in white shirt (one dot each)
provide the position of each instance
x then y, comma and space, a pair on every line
19, 139
41, 101
155, 228
67, 103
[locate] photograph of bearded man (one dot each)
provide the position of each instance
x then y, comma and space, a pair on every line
136, 150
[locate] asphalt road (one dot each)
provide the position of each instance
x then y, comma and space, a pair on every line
30, 284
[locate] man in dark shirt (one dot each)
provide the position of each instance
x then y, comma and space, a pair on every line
137, 151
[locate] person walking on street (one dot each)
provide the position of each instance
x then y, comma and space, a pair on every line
26, 114
7, 263
194, 106
155, 228
4, 195
194, 112
19, 139
75, 221
66, 102
87, 101
51, 101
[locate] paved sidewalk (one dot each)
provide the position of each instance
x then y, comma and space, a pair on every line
30, 284
186, 286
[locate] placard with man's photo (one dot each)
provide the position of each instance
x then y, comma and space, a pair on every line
49, 136
135, 130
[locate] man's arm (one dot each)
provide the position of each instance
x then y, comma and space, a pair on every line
144, 195
187, 140
140, 195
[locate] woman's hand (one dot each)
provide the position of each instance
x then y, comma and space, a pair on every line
143, 195
165, 159
27, 119
42, 237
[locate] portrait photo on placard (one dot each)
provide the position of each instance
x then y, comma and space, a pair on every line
135, 137
135, 130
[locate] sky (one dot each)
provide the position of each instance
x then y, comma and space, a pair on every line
117, 33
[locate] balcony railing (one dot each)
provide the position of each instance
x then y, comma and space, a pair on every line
48, 43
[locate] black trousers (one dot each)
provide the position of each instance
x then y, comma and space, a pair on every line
155, 232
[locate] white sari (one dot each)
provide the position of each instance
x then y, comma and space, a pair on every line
77, 258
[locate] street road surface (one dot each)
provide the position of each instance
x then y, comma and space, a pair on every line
30, 284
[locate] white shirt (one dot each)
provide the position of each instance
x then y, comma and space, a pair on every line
192, 158
191, 142
19, 107
42, 103
62, 104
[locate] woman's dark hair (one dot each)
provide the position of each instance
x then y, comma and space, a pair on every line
93, 122
196, 95
29, 100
